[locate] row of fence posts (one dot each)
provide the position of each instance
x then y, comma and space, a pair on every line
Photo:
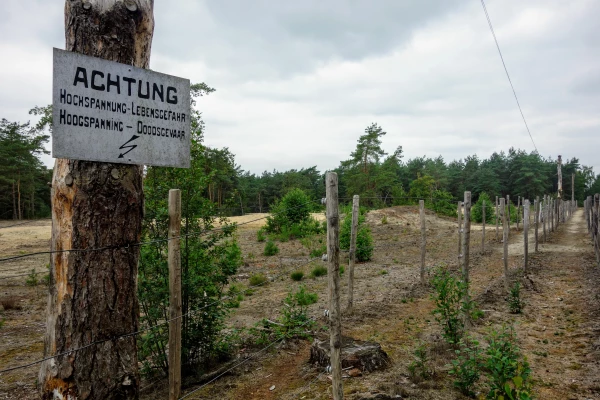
550, 212
592, 217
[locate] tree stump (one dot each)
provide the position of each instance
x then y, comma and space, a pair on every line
365, 356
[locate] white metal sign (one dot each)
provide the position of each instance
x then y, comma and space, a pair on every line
112, 112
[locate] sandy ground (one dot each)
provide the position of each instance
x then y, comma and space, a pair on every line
558, 330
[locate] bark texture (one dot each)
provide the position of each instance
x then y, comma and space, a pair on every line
93, 294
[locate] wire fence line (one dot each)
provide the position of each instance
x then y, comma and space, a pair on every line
149, 242
222, 299
25, 222
271, 344
165, 322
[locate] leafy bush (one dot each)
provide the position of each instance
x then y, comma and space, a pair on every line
315, 244
290, 217
270, 249
342, 270
448, 299
509, 372
477, 209
443, 203
364, 239
32, 279
515, 303
318, 271
258, 279
293, 321
467, 366
297, 276
260, 235
419, 367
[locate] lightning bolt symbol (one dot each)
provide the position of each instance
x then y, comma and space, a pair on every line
130, 147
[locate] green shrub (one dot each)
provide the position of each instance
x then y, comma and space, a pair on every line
342, 270
509, 372
364, 239
318, 271
448, 299
270, 249
260, 235
297, 276
32, 279
419, 368
515, 303
467, 366
442, 203
258, 280
235, 295
293, 321
477, 209
384, 220
290, 217
315, 244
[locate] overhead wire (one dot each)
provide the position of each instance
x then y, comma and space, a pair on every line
507, 75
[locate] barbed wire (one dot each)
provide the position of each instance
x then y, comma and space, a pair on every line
150, 328
138, 244
313, 319
26, 222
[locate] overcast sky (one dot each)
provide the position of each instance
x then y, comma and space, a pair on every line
298, 82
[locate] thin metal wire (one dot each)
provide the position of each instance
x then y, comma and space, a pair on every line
507, 75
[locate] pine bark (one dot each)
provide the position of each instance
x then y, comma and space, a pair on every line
93, 294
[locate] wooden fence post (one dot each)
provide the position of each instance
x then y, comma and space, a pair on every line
483, 226
174, 258
544, 215
508, 212
525, 234
505, 242
518, 210
423, 239
352, 252
536, 220
459, 212
497, 218
551, 213
596, 226
333, 259
466, 238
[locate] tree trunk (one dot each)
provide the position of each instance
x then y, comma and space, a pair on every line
93, 295
14, 196
19, 209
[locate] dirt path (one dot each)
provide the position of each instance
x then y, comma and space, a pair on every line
561, 327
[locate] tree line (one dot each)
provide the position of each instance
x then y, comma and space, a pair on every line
381, 179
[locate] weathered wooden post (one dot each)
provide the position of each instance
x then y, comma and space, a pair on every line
333, 260
525, 234
92, 294
459, 213
596, 226
174, 256
508, 212
497, 218
423, 239
544, 214
466, 238
536, 220
505, 242
518, 210
352, 252
551, 214
482, 226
